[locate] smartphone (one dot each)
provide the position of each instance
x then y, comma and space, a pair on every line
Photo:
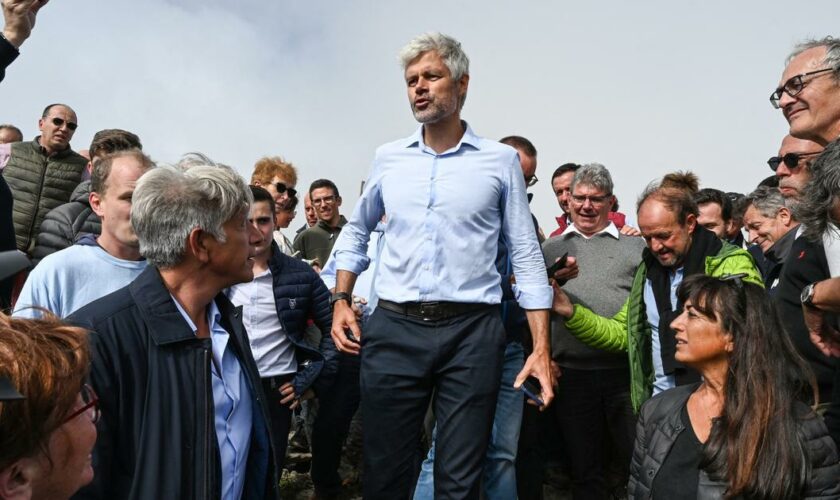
349, 334
560, 264
531, 388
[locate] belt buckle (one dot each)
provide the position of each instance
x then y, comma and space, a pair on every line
429, 310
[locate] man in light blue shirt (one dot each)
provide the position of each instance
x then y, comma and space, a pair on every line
95, 266
450, 196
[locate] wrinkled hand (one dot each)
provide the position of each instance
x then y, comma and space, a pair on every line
561, 304
19, 17
344, 319
289, 396
825, 337
567, 272
628, 230
538, 365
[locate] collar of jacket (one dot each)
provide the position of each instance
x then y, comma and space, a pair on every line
166, 325
58, 154
780, 250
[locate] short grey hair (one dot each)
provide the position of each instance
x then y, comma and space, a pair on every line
170, 201
767, 200
447, 48
595, 175
832, 53
821, 194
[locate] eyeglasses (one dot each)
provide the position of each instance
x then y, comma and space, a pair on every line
326, 200
794, 86
791, 160
530, 181
59, 122
595, 200
282, 188
91, 401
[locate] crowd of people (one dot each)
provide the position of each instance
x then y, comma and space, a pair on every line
169, 333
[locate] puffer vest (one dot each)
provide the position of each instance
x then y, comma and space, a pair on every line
39, 183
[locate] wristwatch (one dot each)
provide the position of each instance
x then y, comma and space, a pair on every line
340, 296
807, 295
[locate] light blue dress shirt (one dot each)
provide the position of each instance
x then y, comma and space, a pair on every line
661, 382
445, 215
364, 283
233, 404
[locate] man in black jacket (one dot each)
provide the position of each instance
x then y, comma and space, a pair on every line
276, 306
183, 411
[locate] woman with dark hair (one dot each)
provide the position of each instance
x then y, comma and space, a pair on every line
47, 435
744, 431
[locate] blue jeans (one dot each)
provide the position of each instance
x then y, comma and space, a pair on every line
499, 471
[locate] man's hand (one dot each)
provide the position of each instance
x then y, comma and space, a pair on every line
289, 397
538, 365
344, 319
567, 272
628, 230
561, 304
823, 336
358, 305
19, 17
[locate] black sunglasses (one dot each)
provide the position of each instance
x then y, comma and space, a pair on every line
282, 188
791, 160
59, 122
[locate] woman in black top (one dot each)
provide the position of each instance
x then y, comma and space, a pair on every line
744, 432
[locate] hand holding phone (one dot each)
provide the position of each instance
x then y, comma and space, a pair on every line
558, 265
532, 389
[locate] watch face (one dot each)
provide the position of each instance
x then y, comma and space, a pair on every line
807, 292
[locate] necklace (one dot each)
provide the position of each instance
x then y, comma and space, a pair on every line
705, 405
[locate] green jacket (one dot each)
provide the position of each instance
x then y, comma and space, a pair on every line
629, 330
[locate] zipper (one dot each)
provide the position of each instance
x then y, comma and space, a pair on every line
209, 431
37, 205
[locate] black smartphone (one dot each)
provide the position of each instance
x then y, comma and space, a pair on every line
532, 389
349, 334
560, 264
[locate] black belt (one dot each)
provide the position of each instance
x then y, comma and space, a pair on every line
431, 311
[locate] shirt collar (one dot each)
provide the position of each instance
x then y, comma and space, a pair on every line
610, 230
214, 316
469, 137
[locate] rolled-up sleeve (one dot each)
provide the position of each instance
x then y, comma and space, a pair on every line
351, 247
532, 288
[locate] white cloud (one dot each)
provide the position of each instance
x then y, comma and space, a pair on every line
642, 87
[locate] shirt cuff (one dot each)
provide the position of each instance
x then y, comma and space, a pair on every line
534, 297
349, 261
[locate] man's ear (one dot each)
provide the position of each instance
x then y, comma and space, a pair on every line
197, 244
691, 222
16, 479
338, 201
96, 203
785, 216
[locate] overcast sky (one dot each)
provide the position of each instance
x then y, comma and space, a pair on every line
642, 87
